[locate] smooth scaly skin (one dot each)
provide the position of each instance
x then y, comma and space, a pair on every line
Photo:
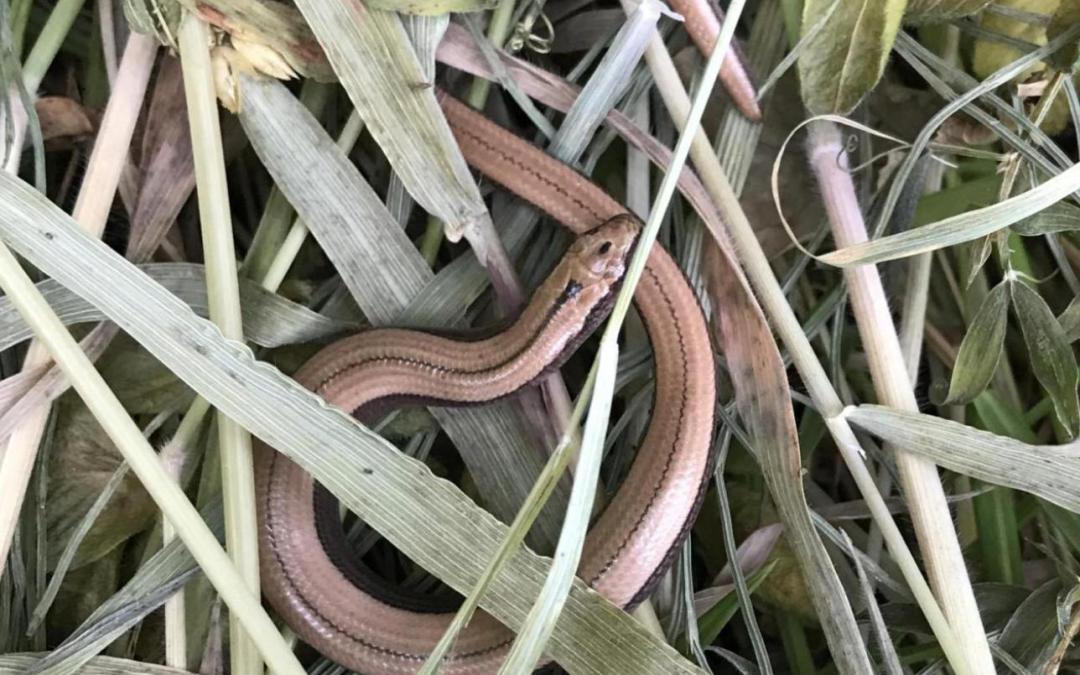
633, 541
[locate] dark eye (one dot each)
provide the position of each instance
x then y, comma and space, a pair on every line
604, 248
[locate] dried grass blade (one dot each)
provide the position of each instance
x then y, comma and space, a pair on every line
1050, 472
375, 62
428, 519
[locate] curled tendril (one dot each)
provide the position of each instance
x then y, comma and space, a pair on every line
524, 36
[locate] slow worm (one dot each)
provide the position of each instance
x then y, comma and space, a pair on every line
329, 598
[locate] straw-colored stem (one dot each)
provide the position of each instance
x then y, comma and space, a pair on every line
223, 292
919, 477
91, 210
176, 452
786, 324
173, 456
108, 38
128, 438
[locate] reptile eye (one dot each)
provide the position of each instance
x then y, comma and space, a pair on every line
604, 248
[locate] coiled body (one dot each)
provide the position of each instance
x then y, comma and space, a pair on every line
330, 599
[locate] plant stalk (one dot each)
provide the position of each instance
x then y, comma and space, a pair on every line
787, 326
91, 210
137, 452
223, 292
922, 486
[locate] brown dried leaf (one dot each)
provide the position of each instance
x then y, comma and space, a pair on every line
64, 120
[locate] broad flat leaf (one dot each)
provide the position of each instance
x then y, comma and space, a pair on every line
843, 61
981, 349
1049, 471
960, 228
1070, 320
997, 602
1052, 357
82, 462
713, 621
155, 581
1032, 626
990, 55
922, 11
1067, 15
1060, 217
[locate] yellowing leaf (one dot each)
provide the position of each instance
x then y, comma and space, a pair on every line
921, 11
843, 61
991, 55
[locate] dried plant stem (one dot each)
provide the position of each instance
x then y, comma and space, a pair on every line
1053, 664
174, 457
919, 477
787, 326
136, 450
223, 292
91, 209
176, 453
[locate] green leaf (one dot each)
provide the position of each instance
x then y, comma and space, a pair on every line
1067, 15
148, 588
844, 60
1070, 320
923, 11
713, 621
1060, 217
1032, 626
1049, 471
958, 229
1052, 357
981, 349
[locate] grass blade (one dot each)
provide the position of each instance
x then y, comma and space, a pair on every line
1050, 472
981, 348
958, 229
428, 519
